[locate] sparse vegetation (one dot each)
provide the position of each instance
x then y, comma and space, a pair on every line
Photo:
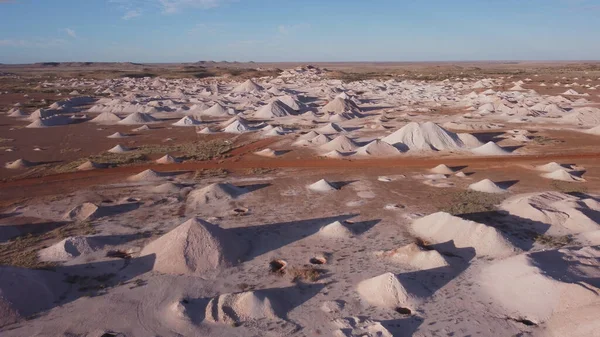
305, 273
553, 241
22, 251
468, 202
568, 187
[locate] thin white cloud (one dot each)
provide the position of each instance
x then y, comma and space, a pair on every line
134, 13
33, 43
71, 32
175, 6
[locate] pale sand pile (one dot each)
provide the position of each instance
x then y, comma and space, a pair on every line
309, 135
321, 186
142, 128
187, 121
240, 307
340, 143
166, 188
274, 109
551, 167
206, 131
359, 327
18, 113
487, 186
330, 128
425, 136
562, 175
167, 159
137, 118
469, 140
320, 140
106, 118
68, 249
377, 148
291, 102
237, 126
55, 120
547, 287
117, 135
195, 247
490, 149
594, 131
461, 175
217, 110
222, 192
386, 291
335, 155
19, 164
560, 213
248, 86
24, 292
442, 169
336, 230
340, 105
90, 165
266, 153
415, 257
119, 149
85, 211
146, 175
442, 227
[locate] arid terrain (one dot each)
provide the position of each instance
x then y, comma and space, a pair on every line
281, 199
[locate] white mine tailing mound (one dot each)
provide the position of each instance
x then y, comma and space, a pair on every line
336, 230
442, 169
248, 86
237, 126
273, 110
240, 307
490, 149
213, 193
85, 211
487, 186
217, 110
442, 227
309, 135
522, 288
187, 121
167, 159
594, 131
266, 153
461, 175
386, 291
117, 135
377, 148
206, 131
106, 118
320, 140
550, 167
340, 143
321, 186
55, 120
340, 105
562, 175
89, 165
24, 292
291, 102
18, 113
335, 155
142, 128
18, 164
68, 249
137, 118
426, 136
147, 175
469, 140
166, 188
195, 247
564, 214
330, 128
359, 327
415, 257
119, 149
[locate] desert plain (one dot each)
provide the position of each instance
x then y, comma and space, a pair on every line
331, 199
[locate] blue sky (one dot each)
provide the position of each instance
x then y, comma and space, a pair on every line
298, 30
